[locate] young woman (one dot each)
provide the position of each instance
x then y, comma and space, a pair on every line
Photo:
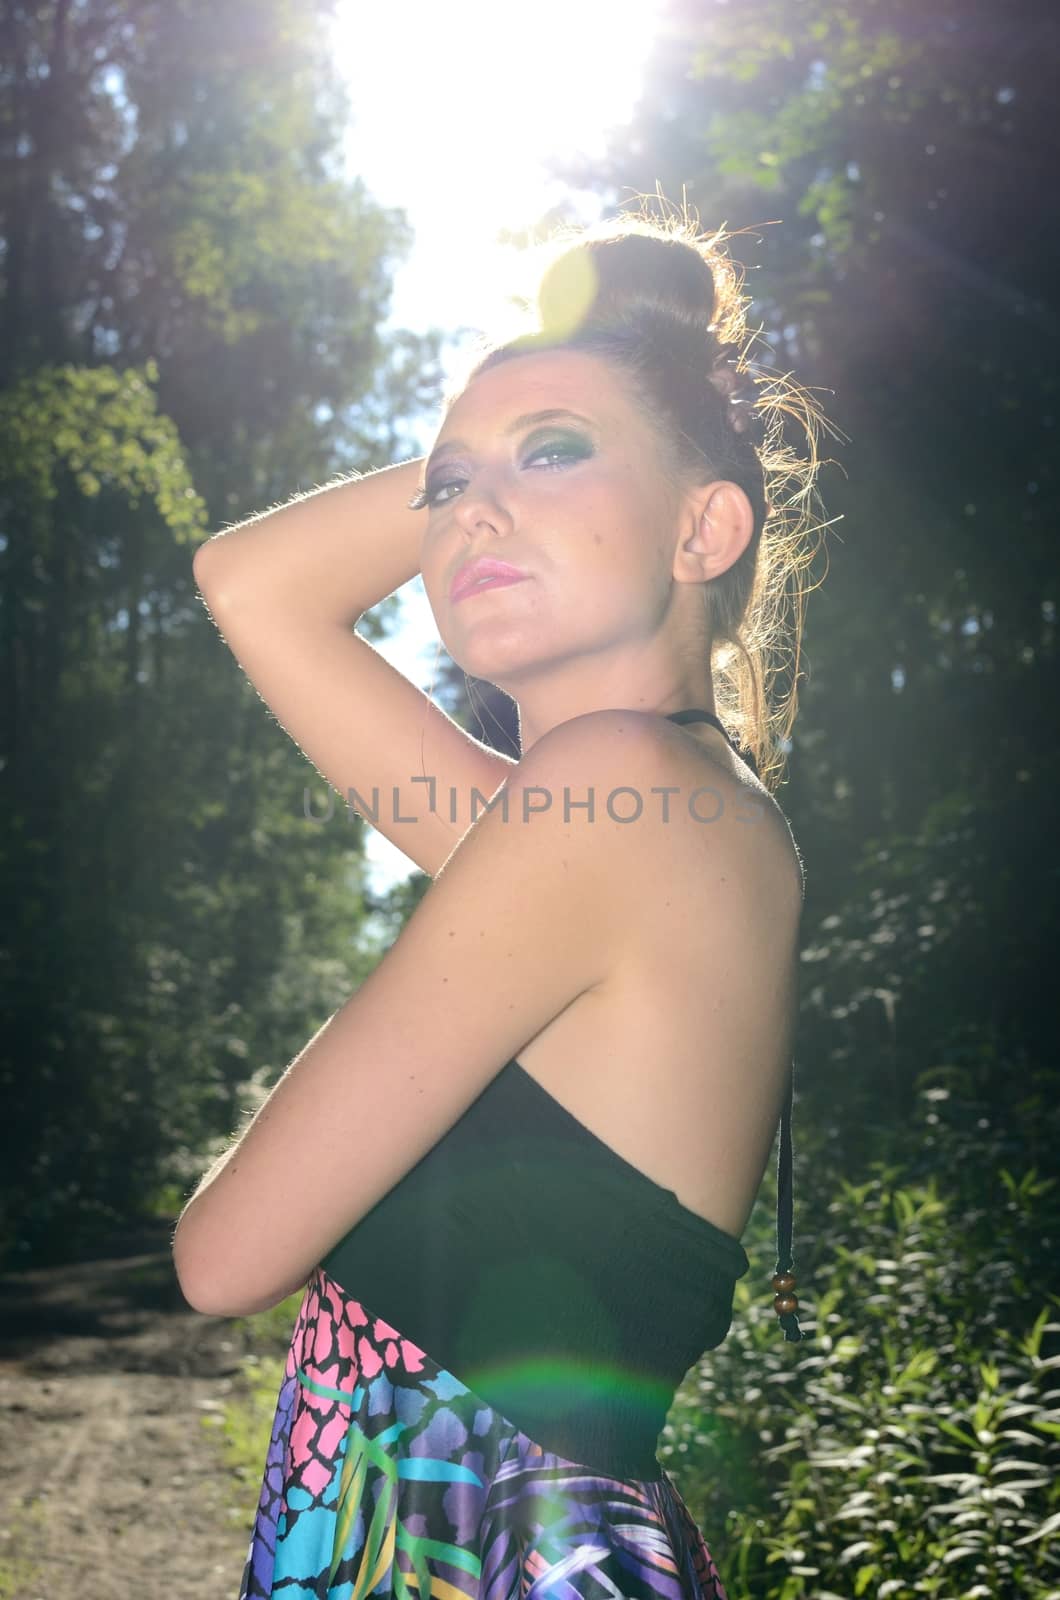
512, 1171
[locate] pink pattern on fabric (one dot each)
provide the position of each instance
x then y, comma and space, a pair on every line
412, 1356
322, 1341
331, 1434
315, 1476
369, 1359
303, 1434
346, 1341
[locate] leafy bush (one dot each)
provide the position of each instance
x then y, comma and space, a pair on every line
912, 1445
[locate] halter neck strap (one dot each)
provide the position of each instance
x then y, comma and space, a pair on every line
694, 714
697, 714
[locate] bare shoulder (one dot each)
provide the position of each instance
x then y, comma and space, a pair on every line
661, 799
596, 770
652, 800
597, 735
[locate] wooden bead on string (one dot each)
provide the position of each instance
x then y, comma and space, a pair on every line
784, 1299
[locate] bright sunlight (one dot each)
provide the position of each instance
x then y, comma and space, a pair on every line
457, 108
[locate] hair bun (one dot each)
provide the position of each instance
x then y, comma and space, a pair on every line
604, 277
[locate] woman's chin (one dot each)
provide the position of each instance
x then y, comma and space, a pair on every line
498, 661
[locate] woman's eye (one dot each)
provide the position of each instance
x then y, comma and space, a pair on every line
567, 447
433, 492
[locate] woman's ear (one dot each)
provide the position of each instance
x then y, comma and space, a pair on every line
716, 527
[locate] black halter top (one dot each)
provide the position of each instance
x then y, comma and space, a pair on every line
788, 1319
564, 1286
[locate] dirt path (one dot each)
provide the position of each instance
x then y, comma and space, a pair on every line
111, 1488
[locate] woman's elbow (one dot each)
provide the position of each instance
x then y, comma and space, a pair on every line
211, 1293
201, 1299
202, 1287
207, 1282
215, 1287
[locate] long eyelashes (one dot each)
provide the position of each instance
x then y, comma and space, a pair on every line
570, 448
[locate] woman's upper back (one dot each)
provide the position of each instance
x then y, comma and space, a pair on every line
680, 1060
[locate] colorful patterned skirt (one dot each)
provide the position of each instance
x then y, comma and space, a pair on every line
387, 1476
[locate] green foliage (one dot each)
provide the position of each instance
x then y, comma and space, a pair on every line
103, 429
190, 315
915, 1447
809, 87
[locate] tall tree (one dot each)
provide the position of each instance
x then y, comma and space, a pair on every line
192, 289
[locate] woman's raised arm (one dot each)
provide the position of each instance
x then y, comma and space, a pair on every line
285, 588
331, 554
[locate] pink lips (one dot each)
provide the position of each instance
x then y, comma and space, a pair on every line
483, 574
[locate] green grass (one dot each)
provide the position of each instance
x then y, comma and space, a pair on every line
19, 1573
243, 1426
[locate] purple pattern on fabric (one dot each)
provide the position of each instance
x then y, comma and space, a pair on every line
386, 1476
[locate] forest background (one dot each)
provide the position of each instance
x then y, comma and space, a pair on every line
193, 292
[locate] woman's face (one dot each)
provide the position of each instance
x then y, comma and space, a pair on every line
576, 500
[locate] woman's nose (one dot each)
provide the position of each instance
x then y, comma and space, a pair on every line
483, 505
